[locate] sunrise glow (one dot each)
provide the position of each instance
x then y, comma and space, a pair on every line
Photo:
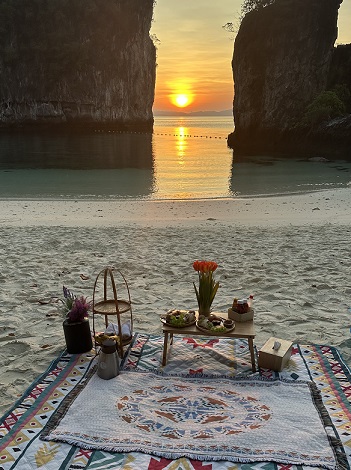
181, 95
181, 101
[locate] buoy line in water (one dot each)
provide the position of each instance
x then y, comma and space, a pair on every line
161, 133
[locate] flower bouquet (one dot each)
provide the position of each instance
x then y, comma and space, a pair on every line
207, 289
76, 324
75, 308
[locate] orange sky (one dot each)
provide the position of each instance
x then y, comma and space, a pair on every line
195, 52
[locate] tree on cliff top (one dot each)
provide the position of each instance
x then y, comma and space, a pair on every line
250, 5
246, 7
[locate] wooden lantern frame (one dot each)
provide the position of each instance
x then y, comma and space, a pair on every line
112, 304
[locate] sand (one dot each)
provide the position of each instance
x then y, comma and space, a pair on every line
293, 253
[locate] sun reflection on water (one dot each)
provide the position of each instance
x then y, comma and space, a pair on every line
188, 166
181, 144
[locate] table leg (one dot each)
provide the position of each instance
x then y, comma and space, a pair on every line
165, 344
252, 352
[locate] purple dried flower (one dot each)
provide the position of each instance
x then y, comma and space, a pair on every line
79, 310
67, 293
68, 299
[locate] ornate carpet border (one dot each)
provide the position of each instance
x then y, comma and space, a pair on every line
45, 394
321, 363
335, 443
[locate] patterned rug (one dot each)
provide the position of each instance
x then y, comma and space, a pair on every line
20, 428
202, 418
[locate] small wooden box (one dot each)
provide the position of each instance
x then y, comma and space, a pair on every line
269, 358
240, 317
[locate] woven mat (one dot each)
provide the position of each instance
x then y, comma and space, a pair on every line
202, 418
20, 428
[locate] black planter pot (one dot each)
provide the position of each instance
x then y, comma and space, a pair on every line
78, 337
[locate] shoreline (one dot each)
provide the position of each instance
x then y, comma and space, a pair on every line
292, 252
327, 206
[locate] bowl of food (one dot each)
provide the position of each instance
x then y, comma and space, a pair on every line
228, 323
214, 325
178, 318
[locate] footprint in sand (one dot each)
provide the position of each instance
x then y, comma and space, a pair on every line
14, 349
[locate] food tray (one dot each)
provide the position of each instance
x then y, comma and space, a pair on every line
164, 321
213, 332
175, 312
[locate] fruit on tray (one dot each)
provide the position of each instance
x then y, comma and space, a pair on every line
212, 323
179, 318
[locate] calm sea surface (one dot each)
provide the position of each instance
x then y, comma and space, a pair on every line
185, 158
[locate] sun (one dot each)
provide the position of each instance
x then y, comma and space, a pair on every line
181, 97
181, 101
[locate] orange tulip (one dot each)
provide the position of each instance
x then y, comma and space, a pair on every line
196, 265
205, 266
207, 285
213, 266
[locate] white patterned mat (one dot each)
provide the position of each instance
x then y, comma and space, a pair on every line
202, 418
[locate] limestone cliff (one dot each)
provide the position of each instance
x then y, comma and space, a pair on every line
340, 67
282, 60
77, 63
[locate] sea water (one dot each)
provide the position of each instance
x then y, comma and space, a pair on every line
185, 158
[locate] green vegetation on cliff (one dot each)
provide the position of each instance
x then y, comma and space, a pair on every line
327, 105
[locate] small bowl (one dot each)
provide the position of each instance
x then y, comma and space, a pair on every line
228, 323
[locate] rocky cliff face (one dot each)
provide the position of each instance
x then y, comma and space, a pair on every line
282, 60
340, 67
77, 63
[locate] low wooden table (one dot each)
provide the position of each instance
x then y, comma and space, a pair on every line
241, 330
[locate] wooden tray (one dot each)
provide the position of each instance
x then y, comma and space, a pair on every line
164, 321
108, 307
126, 341
163, 318
213, 332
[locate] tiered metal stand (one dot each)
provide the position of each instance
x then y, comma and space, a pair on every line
111, 304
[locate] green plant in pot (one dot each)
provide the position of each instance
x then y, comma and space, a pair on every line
76, 324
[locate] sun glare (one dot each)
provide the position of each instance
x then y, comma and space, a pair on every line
181, 101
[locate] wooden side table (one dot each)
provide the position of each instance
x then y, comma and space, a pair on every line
244, 330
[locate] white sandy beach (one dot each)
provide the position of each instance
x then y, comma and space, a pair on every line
293, 253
